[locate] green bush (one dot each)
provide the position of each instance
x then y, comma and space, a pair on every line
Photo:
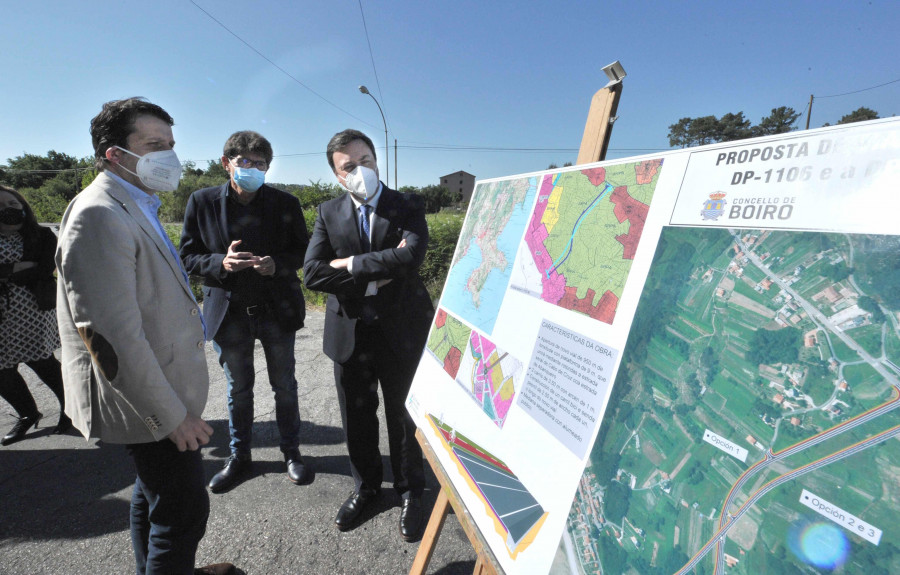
443, 230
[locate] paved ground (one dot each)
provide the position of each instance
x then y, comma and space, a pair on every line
64, 501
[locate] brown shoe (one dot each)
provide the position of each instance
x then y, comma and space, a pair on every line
218, 569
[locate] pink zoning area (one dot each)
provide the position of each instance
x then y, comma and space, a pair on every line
553, 287
604, 311
628, 208
596, 176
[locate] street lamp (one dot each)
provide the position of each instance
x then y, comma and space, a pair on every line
387, 163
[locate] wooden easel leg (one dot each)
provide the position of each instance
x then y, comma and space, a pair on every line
479, 566
432, 532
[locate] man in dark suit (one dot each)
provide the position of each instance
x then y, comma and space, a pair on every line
365, 251
247, 241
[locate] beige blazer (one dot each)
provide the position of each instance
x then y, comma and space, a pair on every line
133, 358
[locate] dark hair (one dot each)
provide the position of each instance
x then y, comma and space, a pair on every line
342, 139
247, 141
30, 227
115, 122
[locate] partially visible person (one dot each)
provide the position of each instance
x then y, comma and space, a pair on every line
365, 252
247, 241
28, 332
134, 366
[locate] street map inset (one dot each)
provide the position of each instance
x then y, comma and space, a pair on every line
489, 375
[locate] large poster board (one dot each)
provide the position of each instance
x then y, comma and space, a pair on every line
679, 362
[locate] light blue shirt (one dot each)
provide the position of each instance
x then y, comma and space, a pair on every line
149, 204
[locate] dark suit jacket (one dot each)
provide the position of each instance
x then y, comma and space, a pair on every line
403, 306
205, 241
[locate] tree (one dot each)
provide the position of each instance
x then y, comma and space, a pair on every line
733, 127
436, 197
215, 169
860, 114
616, 501
704, 130
688, 132
679, 133
871, 306
33, 171
775, 346
780, 121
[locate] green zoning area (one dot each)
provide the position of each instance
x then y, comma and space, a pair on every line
723, 365
447, 335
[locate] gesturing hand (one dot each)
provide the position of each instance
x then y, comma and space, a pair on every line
236, 261
265, 266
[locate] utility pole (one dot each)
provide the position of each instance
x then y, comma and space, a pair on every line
809, 111
396, 182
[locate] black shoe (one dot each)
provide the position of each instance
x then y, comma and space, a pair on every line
218, 569
297, 471
352, 508
235, 468
63, 425
17, 433
411, 519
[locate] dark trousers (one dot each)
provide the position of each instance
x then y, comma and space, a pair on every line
169, 508
357, 380
15, 391
235, 342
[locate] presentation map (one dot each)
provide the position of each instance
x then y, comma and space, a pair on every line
481, 267
755, 414
583, 235
488, 374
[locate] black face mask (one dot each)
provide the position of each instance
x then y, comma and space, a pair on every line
12, 216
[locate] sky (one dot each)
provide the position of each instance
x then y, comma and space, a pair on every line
493, 88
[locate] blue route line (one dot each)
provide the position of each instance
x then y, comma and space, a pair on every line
568, 250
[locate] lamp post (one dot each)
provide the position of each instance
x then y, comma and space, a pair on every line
387, 163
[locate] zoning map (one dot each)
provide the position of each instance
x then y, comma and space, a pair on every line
481, 267
753, 424
583, 235
490, 375
516, 514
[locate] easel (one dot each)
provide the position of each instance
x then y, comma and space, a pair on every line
594, 144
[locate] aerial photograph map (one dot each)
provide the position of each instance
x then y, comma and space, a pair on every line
583, 235
753, 424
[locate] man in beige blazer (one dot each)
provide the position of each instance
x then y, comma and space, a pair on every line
133, 358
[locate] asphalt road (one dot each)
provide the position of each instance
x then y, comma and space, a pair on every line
64, 501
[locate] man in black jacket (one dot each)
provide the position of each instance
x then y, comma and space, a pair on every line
247, 240
365, 251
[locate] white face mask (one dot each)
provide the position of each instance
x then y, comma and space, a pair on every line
160, 171
362, 182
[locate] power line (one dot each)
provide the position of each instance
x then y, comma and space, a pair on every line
858, 91
372, 57
279, 68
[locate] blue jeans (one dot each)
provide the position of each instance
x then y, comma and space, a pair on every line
169, 508
234, 342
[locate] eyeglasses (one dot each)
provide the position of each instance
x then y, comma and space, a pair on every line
247, 163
